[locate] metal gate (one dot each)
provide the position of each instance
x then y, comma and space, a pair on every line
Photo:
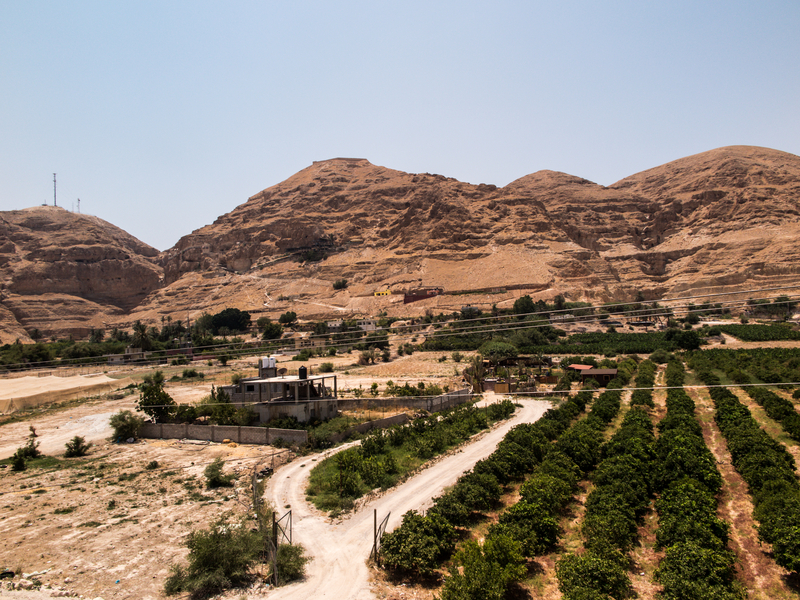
377, 533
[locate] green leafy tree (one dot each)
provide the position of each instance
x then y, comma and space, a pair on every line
288, 318
153, 399
487, 572
271, 331
524, 306
497, 351
231, 318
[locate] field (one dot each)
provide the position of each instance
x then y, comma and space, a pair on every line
111, 523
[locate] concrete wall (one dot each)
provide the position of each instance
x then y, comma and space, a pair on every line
443, 402
217, 433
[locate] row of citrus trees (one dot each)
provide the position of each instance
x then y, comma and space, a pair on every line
764, 464
423, 542
386, 456
554, 456
613, 509
766, 367
697, 562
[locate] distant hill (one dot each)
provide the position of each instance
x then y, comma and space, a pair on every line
717, 221
62, 272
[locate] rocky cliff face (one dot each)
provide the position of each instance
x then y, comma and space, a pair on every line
718, 221
63, 272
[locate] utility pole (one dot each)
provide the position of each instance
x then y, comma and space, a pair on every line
54, 190
79, 206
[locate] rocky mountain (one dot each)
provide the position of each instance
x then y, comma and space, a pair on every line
62, 272
714, 222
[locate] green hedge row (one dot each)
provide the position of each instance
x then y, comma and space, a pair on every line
697, 562
764, 464
778, 408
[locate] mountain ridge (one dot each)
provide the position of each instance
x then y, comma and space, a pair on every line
716, 220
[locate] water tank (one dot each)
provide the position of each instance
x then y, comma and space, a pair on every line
265, 362
273, 362
302, 373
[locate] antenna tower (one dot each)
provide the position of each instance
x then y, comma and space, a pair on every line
79, 206
54, 190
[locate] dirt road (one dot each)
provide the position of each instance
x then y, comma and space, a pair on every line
340, 549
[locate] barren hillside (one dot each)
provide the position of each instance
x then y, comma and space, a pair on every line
717, 221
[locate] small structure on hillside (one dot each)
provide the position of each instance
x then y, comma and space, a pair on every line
421, 294
274, 394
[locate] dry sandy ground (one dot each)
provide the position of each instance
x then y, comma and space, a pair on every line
109, 526
89, 420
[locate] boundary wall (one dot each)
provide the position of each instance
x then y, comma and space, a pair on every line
217, 433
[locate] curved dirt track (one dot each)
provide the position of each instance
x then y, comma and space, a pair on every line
339, 550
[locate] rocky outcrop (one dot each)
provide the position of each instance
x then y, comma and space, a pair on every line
62, 272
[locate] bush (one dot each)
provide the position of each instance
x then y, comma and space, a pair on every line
326, 367
340, 284
219, 558
457, 356
214, 476
18, 462
77, 446
291, 563
29, 450
192, 374
126, 425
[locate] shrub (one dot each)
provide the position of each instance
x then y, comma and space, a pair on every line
219, 558
340, 284
457, 356
29, 450
291, 563
326, 367
77, 446
153, 464
214, 476
126, 425
18, 462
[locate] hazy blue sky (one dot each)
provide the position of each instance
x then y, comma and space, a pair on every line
162, 115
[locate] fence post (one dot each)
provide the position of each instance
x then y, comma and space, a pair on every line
275, 548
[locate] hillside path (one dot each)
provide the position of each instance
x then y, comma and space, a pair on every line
339, 549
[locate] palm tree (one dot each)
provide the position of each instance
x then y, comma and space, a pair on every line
141, 337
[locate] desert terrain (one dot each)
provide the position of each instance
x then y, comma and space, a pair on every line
720, 221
